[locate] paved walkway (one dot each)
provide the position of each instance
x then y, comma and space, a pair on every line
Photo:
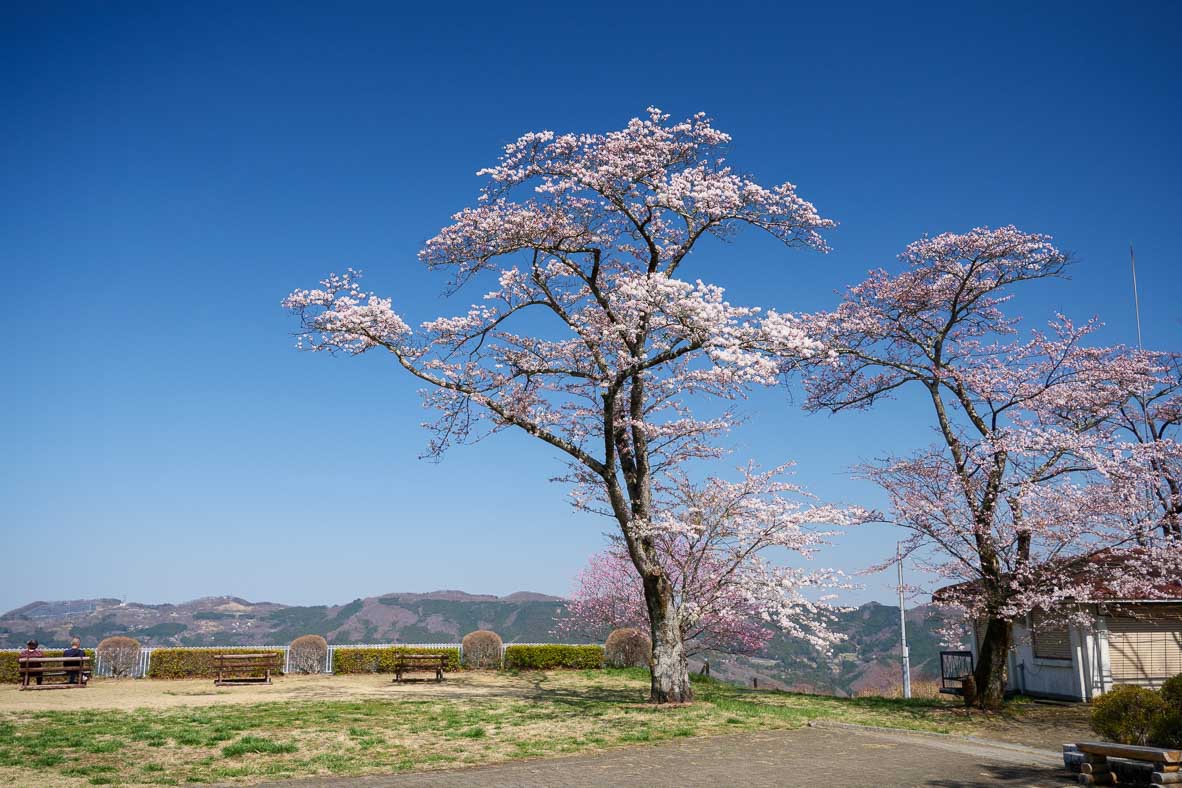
824, 756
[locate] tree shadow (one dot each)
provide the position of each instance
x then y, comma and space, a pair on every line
582, 696
994, 774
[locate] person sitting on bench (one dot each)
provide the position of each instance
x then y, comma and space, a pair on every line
33, 649
73, 670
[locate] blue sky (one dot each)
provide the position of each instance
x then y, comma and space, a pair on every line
171, 171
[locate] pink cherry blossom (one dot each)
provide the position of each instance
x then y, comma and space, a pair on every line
586, 337
1030, 478
716, 541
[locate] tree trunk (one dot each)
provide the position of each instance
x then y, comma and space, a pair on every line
990, 673
670, 674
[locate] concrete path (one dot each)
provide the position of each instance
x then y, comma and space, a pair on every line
821, 756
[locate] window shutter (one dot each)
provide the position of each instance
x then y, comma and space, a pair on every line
1050, 642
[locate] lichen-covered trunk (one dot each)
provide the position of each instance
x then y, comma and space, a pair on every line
670, 674
990, 673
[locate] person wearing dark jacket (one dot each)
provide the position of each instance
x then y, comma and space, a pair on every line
73, 670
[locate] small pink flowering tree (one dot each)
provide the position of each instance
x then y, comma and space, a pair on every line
608, 595
587, 340
1026, 482
714, 541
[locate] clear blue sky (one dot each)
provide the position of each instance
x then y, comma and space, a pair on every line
170, 171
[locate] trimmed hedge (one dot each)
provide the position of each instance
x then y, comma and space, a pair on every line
8, 667
381, 660
553, 656
196, 663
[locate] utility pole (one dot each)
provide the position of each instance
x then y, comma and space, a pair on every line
903, 627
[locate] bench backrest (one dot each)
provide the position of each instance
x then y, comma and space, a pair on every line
429, 659
260, 655
30, 667
1131, 751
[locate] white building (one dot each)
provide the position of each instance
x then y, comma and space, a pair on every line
1129, 642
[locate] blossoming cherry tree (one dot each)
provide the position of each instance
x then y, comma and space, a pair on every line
586, 338
1029, 499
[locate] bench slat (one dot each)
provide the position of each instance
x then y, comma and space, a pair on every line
1131, 751
262, 655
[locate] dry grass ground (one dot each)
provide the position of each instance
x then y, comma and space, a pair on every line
173, 732
128, 694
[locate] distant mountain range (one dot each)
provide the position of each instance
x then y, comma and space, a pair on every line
866, 661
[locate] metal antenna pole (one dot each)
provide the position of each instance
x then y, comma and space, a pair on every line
1136, 297
903, 627
1150, 434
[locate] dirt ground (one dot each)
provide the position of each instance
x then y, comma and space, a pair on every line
128, 694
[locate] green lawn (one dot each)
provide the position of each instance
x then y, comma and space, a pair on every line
556, 713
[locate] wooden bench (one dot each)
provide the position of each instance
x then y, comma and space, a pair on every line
34, 670
1097, 770
955, 669
245, 668
406, 663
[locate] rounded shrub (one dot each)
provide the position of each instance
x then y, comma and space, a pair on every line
120, 654
1127, 714
308, 654
1167, 730
628, 648
1171, 692
482, 650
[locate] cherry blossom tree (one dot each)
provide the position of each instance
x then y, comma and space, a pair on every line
715, 541
1152, 420
587, 340
608, 595
1026, 482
